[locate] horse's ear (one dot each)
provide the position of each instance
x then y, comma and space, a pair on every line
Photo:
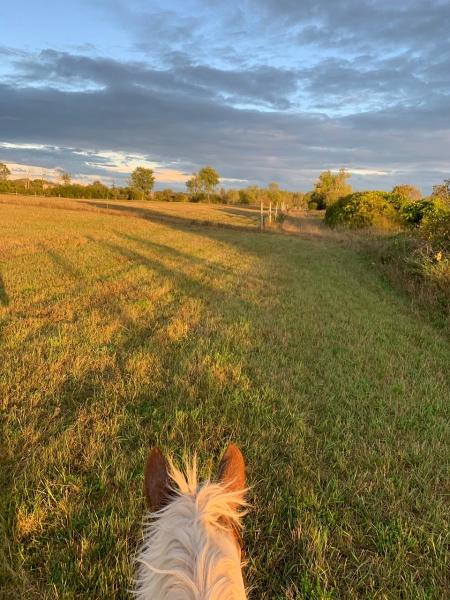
156, 480
232, 469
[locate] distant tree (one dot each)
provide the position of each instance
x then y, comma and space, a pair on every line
442, 191
203, 182
408, 193
232, 196
65, 177
307, 200
209, 180
116, 192
166, 195
250, 195
193, 184
142, 180
330, 187
299, 200
97, 189
274, 194
4, 172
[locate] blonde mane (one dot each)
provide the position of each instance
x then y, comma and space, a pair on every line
189, 550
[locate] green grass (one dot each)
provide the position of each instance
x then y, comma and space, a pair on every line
122, 330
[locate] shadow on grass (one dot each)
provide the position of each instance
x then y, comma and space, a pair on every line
214, 384
62, 263
192, 404
185, 285
249, 213
174, 253
4, 298
158, 216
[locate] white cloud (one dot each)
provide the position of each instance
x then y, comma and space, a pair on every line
22, 171
377, 172
11, 146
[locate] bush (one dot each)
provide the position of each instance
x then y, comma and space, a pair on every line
413, 213
363, 209
436, 230
330, 187
164, 195
408, 193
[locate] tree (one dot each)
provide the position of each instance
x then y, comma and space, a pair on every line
274, 194
232, 196
408, 193
193, 184
205, 181
442, 191
4, 172
142, 180
299, 200
209, 180
249, 195
330, 187
65, 177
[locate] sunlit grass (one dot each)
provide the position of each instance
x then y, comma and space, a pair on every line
118, 331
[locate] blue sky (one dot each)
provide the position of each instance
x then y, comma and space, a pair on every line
264, 90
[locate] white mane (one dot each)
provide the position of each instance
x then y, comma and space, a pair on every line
189, 551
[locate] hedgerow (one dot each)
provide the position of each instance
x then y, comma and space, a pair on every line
363, 209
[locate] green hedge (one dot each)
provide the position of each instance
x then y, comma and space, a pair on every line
413, 213
364, 209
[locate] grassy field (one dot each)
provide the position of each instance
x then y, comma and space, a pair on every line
235, 217
121, 328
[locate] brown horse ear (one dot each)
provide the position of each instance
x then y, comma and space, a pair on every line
232, 469
156, 480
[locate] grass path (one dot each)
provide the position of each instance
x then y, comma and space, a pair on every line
119, 332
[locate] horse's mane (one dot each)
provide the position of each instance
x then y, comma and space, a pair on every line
189, 552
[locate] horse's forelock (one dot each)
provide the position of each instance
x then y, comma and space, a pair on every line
190, 548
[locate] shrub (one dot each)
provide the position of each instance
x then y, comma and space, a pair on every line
413, 213
363, 209
166, 195
436, 230
329, 187
408, 193
395, 199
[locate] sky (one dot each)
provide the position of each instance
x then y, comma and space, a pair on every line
263, 90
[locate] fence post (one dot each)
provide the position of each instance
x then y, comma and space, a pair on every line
261, 226
270, 213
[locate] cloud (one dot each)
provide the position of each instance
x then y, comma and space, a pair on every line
267, 90
84, 165
264, 85
363, 22
244, 144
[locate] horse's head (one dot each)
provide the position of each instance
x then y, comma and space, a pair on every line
192, 543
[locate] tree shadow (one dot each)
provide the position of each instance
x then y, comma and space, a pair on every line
174, 254
201, 400
62, 263
158, 216
4, 298
250, 213
184, 283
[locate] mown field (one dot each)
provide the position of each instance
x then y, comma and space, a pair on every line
121, 328
191, 213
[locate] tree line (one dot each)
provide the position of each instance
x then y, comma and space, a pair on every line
203, 186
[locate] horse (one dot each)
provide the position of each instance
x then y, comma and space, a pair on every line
192, 547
